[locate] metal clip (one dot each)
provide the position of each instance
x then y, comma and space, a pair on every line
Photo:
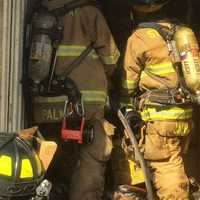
43, 190
169, 46
71, 108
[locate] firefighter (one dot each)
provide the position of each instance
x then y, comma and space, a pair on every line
148, 68
83, 26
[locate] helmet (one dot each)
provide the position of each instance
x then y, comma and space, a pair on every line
20, 168
148, 2
148, 5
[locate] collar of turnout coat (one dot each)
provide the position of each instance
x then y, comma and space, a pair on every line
54, 4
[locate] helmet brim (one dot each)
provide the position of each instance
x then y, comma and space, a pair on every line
148, 2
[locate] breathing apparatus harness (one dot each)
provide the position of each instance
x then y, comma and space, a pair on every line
186, 64
47, 34
180, 95
74, 126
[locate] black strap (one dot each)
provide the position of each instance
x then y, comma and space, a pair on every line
166, 32
59, 12
77, 61
167, 96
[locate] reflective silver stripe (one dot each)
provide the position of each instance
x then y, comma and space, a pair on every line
74, 51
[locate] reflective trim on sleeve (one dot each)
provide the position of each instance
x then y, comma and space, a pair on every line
94, 96
160, 69
129, 84
110, 60
74, 51
173, 113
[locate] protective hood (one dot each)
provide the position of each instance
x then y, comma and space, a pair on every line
54, 4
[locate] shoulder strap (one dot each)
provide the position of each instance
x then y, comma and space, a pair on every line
166, 32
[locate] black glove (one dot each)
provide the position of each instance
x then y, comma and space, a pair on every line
134, 119
71, 90
32, 88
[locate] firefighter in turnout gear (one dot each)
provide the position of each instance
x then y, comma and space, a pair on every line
150, 68
85, 26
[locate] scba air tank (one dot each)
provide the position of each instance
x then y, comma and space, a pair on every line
189, 54
41, 46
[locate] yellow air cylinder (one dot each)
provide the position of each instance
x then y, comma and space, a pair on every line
189, 54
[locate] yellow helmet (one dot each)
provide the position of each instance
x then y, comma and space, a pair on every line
20, 168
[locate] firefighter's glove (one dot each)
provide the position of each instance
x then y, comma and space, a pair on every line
71, 90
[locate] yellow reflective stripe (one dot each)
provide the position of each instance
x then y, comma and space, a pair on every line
112, 59
174, 113
58, 99
157, 66
160, 69
94, 96
74, 51
26, 169
129, 84
145, 74
6, 165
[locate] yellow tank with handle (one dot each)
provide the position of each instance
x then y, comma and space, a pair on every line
124, 168
188, 48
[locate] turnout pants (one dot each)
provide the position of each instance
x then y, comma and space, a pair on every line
78, 170
163, 148
88, 178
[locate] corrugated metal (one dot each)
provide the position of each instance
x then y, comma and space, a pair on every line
11, 115
5, 64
